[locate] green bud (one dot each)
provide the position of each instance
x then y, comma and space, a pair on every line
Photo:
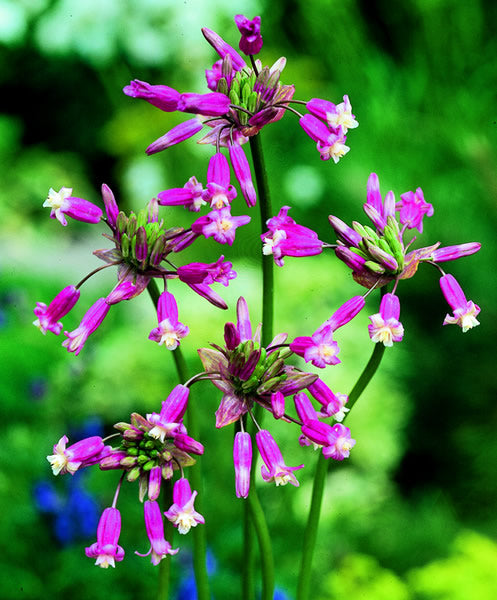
121, 426
128, 462
243, 117
142, 459
358, 228
285, 353
234, 97
149, 465
132, 225
371, 233
125, 245
251, 382
222, 86
132, 451
274, 79
274, 369
149, 444
133, 474
273, 357
375, 267
269, 385
252, 102
142, 218
121, 222
235, 87
245, 92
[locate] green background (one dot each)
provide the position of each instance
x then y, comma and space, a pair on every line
412, 513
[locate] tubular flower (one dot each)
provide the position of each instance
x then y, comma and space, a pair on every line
385, 326
159, 546
464, 311
142, 244
62, 204
69, 460
275, 468
170, 330
182, 514
106, 549
242, 459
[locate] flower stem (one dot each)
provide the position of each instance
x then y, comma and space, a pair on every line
310, 534
195, 477
267, 262
253, 514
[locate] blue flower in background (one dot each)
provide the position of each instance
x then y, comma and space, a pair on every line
187, 589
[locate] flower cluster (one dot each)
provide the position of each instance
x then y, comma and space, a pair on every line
142, 245
243, 99
250, 374
151, 449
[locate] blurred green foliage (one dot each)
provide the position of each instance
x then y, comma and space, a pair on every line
411, 514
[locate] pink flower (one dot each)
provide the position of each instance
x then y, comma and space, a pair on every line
413, 208
89, 324
275, 469
170, 330
182, 513
62, 204
320, 349
69, 460
385, 326
464, 311
106, 549
242, 458
48, 317
219, 192
220, 225
251, 40
168, 421
159, 546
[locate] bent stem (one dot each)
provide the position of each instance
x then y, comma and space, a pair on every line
310, 534
253, 513
199, 539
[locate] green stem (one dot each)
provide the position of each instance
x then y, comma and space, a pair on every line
310, 534
195, 478
267, 261
253, 513
165, 564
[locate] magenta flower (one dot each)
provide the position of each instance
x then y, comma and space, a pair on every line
385, 326
161, 96
159, 546
106, 549
69, 460
335, 115
219, 192
170, 330
275, 468
168, 421
335, 440
62, 204
464, 311
207, 273
251, 40
190, 195
330, 142
48, 317
320, 349
182, 513
220, 225
242, 459
89, 324
412, 209
286, 238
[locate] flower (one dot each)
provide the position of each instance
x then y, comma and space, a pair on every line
69, 460
286, 238
251, 40
275, 469
242, 459
182, 514
220, 225
168, 422
62, 204
48, 317
464, 311
385, 326
159, 546
335, 440
106, 549
89, 324
170, 330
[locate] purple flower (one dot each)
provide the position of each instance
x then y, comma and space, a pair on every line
220, 225
464, 311
159, 546
455, 252
413, 208
335, 115
219, 192
330, 142
385, 326
90, 323
161, 96
207, 273
190, 195
62, 204
251, 40
320, 349
174, 136
69, 460
241, 168
170, 330
242, 459
48, 317
106, 549
332, 405
168, 421
335, 440
182, 513
275, 469
286, 238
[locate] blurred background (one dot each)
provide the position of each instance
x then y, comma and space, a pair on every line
411, 515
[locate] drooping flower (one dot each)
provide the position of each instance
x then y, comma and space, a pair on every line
464, 311
170, 330
159, 546
62, 204
89, 324
335, 440
48, 317
385, 326
182, 513
106, 549
207, 273
275, 468
335, 115
242, 459
168, 421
